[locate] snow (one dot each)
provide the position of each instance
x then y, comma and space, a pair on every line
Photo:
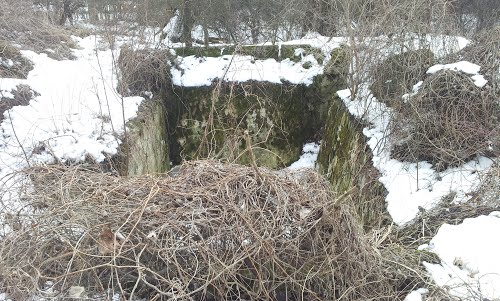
7, 63
410, 186
193, 71
479, 80
465, 67
171, 30
6, 94
308, 158
470, 262
78, 113
416, 295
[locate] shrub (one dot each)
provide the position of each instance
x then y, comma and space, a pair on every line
485, 52
449, 121
397, 74
212, 231
143, 70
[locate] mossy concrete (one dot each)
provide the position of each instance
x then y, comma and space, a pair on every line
212, 121
346, 160
259, 52
219, 121
146, 141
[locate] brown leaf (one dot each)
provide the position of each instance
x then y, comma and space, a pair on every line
106, 241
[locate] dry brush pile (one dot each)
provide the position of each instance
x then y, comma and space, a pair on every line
212, 232
143, 71
397, 74
448, 122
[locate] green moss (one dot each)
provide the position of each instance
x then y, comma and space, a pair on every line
342, 140
203, 52
307, 65
345, 159
260, 52
147, 146
338, 65
278, 118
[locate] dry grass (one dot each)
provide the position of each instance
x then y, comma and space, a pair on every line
212, 232
448, 122
19, 67
143, 70
21, 25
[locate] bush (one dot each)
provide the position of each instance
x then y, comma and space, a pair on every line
398, 73
143, 70
448, 122
12, 62
211, 232
485, 52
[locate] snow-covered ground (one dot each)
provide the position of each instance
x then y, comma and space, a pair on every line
470, 263
78, 113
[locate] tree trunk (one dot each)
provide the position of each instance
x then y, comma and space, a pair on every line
66, 12
205, 35
187, 23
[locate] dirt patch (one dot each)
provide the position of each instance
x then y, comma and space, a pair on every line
12, 62
21, 97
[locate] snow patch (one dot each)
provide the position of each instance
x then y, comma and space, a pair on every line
465, 67
77, 115
308, 158
470, 265
417, 295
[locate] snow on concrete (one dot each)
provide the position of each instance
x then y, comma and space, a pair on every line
470, 262
308, 158
410, 186
194, 71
